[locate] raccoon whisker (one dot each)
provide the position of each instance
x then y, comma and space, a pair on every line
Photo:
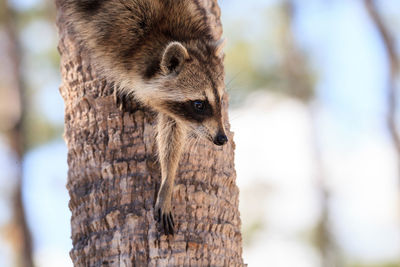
189, 144
193, 145
199, 136
239, 115
233, 78
196, 146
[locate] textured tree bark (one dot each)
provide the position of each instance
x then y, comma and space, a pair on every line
113, 179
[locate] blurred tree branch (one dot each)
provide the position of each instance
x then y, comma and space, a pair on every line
294, 64
19, 232
298, 75
393, 59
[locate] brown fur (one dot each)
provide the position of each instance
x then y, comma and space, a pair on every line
162, 53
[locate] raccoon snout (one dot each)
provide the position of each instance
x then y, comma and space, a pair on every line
220, 139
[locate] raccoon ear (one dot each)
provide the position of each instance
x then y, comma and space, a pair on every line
173, 58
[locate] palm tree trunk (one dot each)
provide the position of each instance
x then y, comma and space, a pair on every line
113, 179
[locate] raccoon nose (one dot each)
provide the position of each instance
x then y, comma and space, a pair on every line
220, 140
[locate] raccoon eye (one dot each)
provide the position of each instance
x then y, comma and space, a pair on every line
198, 105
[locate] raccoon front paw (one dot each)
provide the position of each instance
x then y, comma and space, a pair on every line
163, 214
126, 103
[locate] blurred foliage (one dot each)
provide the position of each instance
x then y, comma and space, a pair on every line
273, 62
251, 231
40, 130
36, 64
388, 264
252, 201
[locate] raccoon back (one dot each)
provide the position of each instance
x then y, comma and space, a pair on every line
126, 38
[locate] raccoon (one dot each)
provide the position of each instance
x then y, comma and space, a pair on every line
161, 53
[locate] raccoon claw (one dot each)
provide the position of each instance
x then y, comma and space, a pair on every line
126, 103
166, 221
118, 100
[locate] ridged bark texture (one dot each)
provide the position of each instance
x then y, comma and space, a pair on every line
114, 176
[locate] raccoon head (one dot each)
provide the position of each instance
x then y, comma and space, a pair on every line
192, 87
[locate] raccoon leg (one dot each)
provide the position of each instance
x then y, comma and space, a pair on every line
170, 143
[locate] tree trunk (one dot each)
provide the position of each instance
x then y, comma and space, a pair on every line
113, 179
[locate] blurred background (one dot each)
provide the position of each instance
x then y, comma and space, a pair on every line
313, 88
